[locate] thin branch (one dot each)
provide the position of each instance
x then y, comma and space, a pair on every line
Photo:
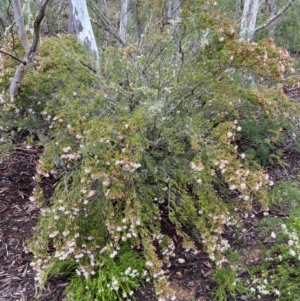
13, 56
275, 17
29, 48
109, 30
36, 26
106, 24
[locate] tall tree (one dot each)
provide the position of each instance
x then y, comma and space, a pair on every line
248, 27
173, 14
80, 24
123, 20
249, 19
30, 48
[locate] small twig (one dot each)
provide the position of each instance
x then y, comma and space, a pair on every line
6, 250
24, 274
27, 150
59, 285
86, 65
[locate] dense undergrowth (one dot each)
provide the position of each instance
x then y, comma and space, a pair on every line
149, 135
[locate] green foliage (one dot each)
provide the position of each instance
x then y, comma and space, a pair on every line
5, 146
286, 194
113, 279
228, 284
261, 136
278, 275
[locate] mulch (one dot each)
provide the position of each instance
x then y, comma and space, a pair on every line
18, 216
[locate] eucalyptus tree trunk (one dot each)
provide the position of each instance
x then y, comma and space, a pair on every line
80, 24
273, 12
173, 15
123, 21
248, 20
248, 29
30, 48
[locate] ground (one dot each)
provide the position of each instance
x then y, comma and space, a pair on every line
191, 279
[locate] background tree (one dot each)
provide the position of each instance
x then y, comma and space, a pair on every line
30, 48
123, 20
248, 21
80, 24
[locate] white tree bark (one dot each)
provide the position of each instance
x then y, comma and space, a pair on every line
248, 21
80, 24
30, 48
173, 15
123, 20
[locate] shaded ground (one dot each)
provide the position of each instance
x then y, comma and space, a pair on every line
18, 215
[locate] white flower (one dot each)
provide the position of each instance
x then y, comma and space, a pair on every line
239, 128
67, 149
232, 187
243, 156
91, 193
78, 272
113, 254
292, 252
79, 256
243, 186
52, 235
229, 134
149, 264
181, 260
273, 235
106, 183
198, 167
66, 233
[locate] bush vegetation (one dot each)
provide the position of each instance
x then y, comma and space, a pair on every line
151, 137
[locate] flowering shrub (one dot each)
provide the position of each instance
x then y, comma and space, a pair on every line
142, 141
